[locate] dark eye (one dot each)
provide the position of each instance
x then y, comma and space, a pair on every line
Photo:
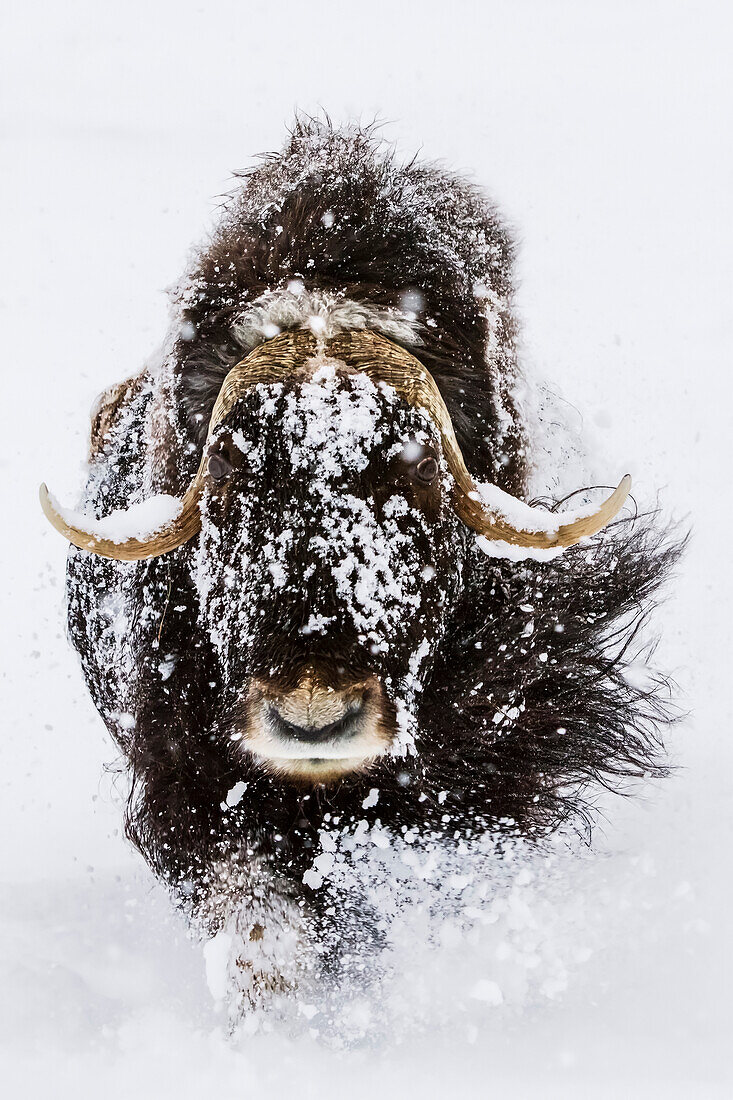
416, 463
426, 470
219, 467
419, 462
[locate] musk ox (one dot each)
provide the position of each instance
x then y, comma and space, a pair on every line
305, 585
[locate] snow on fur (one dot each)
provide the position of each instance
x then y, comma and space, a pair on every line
508, 678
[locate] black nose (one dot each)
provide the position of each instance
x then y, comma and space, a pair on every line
346, 726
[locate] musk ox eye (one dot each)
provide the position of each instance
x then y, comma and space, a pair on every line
426, 470
418, 463
218, 467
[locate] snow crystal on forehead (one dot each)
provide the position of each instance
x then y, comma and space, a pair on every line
333, 419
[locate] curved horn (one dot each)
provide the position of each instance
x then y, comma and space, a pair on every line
90, 535
505, 518
267, 363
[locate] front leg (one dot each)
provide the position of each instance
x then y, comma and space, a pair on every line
263, 950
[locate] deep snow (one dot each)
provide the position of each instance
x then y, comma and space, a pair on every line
602, 131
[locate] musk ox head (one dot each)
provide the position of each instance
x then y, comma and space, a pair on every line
328, 559
332, 510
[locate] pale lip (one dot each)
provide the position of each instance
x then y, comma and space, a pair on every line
334, 741
351, 737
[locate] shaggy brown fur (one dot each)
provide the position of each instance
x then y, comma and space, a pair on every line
528, 706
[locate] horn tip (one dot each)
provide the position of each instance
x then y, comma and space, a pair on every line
624, 487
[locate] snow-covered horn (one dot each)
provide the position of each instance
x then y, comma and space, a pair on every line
492, 513
266, 363
99, 536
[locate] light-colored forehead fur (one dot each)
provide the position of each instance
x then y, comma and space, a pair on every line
325, 313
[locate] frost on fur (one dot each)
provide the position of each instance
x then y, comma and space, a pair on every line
345, 723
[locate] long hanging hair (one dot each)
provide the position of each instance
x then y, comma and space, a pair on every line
540, 692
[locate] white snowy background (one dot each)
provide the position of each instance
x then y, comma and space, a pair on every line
604, 131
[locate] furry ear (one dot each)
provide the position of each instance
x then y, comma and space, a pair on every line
107, 410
